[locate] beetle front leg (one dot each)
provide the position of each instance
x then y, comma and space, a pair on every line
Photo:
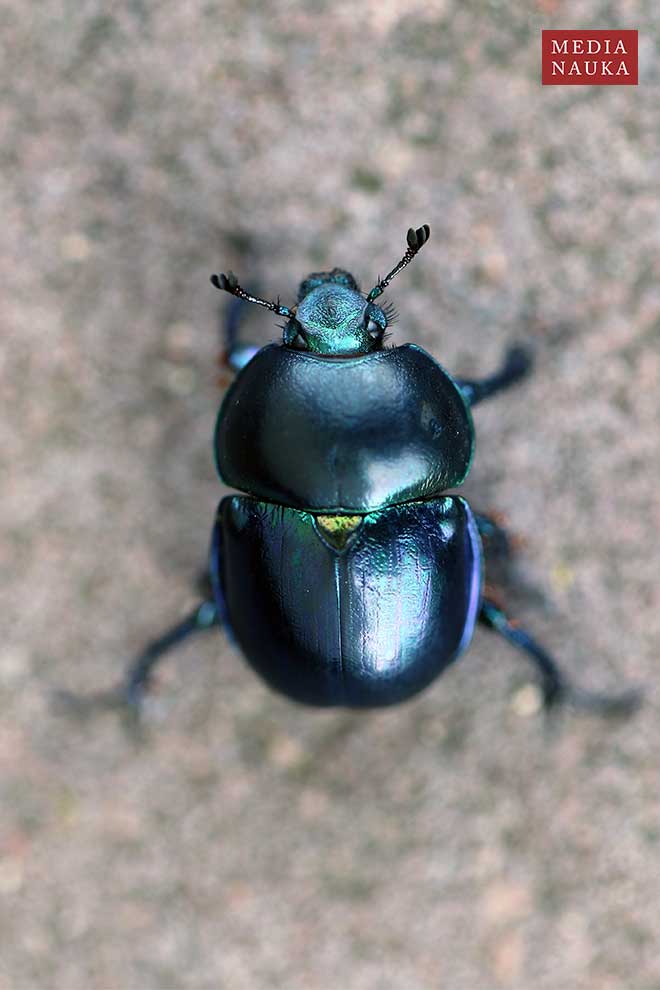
234, 355
556, 687
517, 364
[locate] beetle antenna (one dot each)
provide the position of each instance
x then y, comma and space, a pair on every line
229, 283
416, 241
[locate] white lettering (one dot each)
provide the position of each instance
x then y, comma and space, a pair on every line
589, 67
559, 48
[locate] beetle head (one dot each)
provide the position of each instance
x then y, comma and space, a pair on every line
333, 317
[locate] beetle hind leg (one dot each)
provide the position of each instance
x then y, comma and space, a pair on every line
557, 689
130, 693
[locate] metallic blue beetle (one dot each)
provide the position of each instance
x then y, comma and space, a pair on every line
344, 571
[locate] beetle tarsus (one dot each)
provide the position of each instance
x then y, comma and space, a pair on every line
128, 697
139, 675
518, 362
516, 365
619, 705
557, 690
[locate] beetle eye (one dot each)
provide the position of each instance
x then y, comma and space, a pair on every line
374, 327
293, 337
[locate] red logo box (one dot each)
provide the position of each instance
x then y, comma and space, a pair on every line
589, 58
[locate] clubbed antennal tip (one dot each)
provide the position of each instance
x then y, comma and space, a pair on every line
229, 283
416, 239
226, 282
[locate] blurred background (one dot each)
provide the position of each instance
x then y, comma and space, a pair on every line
457, 841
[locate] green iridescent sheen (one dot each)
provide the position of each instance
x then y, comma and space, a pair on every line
336, 319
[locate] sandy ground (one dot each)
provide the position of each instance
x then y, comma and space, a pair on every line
248, 843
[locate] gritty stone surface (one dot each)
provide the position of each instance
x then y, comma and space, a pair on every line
248, 843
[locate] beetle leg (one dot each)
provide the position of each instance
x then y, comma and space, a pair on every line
499, 542
129, 694
517, 364
234, 355
138, 676
556, 688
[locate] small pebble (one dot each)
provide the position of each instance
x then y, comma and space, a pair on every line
527, 701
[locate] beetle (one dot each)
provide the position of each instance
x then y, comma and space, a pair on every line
344, 571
